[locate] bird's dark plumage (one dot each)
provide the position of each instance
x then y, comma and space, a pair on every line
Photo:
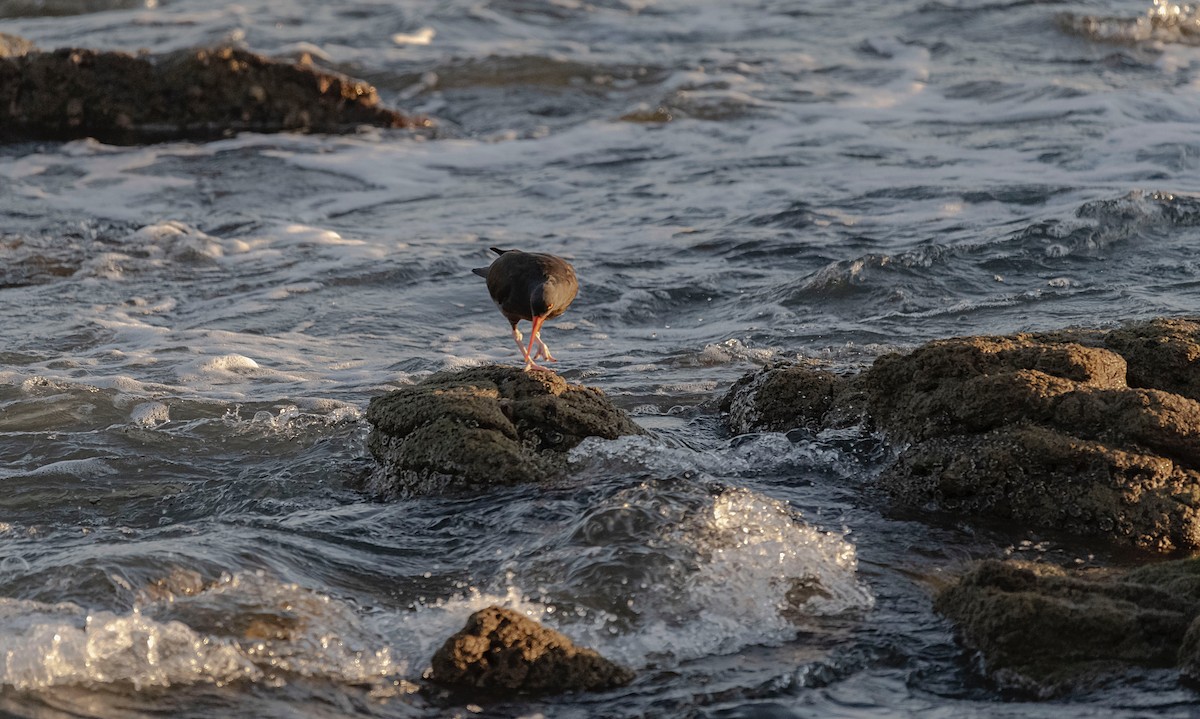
530, 286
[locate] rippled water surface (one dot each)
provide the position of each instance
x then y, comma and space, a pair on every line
192, 331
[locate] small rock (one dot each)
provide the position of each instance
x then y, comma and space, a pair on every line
502, 652
781, 397
484, 426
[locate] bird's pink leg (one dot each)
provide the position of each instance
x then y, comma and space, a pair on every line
527, 351
521, 346
543, 351
529, 363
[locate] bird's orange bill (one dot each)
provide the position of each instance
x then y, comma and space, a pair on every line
537, 326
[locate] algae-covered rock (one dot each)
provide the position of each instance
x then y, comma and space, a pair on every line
485, 426
1044, 630
500, 652
978, 383
781, 397
1085, 431
127, 99
1044, 478
1162, 354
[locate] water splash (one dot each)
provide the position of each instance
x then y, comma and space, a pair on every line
674, 569
46, 645
184, 631
761, 574
1164, 22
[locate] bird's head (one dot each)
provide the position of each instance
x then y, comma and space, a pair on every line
538, 302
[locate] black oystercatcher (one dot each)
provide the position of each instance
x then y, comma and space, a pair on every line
530, 286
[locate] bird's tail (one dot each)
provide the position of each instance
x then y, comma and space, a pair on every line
483, 271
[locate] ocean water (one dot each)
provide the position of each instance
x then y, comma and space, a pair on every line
191, 332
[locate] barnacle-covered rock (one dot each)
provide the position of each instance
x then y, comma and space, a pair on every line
502, 652
1044, 630
484, 426
1097, 433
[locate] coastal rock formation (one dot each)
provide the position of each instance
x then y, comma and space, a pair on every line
59, 8
120, 98
501, 652
484, 426
1161, 354
1044, 630
1089, 432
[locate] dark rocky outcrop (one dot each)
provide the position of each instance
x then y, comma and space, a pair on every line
485, 426
192, 94
1044, 630
500, 652
59, 8
1095, 433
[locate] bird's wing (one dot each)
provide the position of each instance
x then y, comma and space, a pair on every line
481, 271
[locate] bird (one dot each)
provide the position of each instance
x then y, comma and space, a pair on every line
531, 286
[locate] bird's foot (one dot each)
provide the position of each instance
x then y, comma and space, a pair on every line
531, 365
543, 350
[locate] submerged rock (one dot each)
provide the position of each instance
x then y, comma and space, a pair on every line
1090, 432
500, 652
485, 426
120, 98
1043, 630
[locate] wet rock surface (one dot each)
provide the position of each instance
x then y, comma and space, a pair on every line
484, 426
1161, 354
191, 94
500, 652
1044, 630
1096, 433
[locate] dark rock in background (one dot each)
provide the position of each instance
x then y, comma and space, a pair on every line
120, 98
